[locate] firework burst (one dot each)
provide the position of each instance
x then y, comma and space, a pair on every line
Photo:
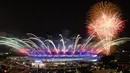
105, 20
105, 23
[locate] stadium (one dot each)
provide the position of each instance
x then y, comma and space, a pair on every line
38, 50
67, 59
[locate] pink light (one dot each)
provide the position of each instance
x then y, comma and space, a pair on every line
92, 51
23, 51
64, 51
57, 51
73, 51
83, 49
49, 51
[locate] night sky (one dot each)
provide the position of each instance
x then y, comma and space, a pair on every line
42, 18
50, 17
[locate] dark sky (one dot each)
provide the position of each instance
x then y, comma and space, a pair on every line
51, 17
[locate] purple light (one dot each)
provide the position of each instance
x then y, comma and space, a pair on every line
65, 55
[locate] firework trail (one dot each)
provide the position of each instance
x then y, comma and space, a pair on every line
15, 43
62, 40
76, 42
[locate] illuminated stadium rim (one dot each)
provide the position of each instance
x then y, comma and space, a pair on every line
64, 59
65, 55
